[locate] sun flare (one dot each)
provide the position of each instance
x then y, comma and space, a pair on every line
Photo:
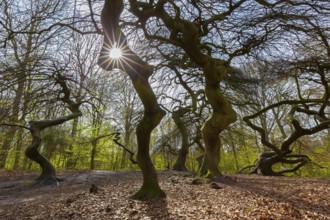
116, 53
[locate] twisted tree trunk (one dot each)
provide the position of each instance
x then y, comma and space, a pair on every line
187, 35
48, 173
36, 127
139, 73
222, 116
151, 118
180, 164
32, 152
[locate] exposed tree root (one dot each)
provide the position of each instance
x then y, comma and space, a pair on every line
147, 194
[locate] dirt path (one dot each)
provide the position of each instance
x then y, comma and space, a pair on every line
15, 189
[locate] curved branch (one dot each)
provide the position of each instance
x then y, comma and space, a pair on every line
56, 121
116, 140
286, 102
15, 125
98, 30
301, 162
263, 134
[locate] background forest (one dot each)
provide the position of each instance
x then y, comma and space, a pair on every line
277, 83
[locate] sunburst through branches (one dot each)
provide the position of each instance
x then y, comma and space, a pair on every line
116, 53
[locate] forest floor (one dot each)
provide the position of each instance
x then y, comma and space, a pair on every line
250, 197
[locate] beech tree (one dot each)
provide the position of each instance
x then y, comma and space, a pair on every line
48, 173
139, 72
36, 127
184, 82
22, 49
309, 68
202, 30
307, 116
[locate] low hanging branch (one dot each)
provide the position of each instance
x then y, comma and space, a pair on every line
300, 161
15, 125
48, 174
283, 154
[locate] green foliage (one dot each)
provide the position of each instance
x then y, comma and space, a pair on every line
244, 157
319, 165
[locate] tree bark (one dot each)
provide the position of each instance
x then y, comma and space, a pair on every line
127, 137
264, 164
93, 154
32, 152
151, 118
180, 164
139, 73
222, 116
71, 162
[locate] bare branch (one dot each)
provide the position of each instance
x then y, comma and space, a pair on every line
14, 125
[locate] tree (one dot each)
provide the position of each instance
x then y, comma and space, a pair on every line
309, 69
307, 116
188, 101
48, 173
212, 34
139, 73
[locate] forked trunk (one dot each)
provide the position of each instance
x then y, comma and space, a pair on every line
264, 164
180, 163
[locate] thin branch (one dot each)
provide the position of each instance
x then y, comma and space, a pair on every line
116, 140
98, 30
286, 102
15, 125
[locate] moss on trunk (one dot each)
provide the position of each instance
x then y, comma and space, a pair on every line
139, 73
180, 164
152, 116
222, 116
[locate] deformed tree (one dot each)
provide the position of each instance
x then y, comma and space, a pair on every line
48, 174
139, 72
307, 116
180, 164
309, 68
187, 111
200, 29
